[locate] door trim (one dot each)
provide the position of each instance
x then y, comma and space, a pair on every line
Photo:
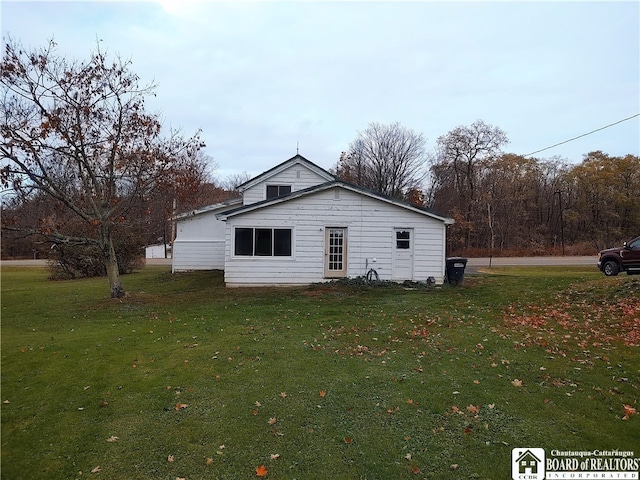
335, 252
403, 267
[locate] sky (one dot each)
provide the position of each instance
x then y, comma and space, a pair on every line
266, 79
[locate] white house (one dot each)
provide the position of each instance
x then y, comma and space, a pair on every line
298, 224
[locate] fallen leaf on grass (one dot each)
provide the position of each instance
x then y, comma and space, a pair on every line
275, 456
261, 471
96, 469
181, 406
415, 470
283, 394
112, 439
473, 409
628, 411
322, 393
348, 440
171, 459
517, 383
209, 461
272, 421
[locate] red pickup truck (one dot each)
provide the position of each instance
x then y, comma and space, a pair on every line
621, 259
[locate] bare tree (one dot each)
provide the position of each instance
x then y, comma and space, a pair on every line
79, 132
390, 159
233, 181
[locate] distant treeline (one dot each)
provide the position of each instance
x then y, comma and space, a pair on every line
510, 204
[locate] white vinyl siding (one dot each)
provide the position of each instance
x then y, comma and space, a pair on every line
199, 242
198, 255
296, 176
370, 227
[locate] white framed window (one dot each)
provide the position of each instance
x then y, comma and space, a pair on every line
403, 239
262, 242
274, 191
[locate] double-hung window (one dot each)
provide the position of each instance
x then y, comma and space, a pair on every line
262, 242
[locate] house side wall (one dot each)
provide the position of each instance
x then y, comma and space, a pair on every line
370, 227
200, 227
198, 255
297, 175
199, 243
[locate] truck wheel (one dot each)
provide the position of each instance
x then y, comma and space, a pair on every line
610, 268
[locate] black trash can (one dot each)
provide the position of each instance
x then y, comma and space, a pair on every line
455, 270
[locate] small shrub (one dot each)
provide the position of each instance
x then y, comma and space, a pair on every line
68, 262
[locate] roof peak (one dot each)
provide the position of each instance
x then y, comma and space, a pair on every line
297, 158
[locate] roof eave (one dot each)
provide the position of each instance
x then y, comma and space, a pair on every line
326, 186
208, 209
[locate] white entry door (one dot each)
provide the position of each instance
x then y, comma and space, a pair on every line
335, 253
402, 254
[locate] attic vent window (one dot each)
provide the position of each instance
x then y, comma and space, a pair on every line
274, 191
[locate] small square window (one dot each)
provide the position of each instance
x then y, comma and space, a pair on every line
403, 240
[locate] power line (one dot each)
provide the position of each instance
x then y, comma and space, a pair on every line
584, 134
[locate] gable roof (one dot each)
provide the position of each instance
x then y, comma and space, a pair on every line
297, 159
217, 207
326, 186
527, 454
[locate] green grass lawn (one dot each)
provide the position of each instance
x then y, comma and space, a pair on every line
184, 378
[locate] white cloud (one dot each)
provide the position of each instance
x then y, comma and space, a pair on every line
258, 77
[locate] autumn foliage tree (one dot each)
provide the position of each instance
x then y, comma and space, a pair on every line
79, 133
461, 155
602, 196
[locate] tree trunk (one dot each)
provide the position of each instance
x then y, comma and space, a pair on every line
111, 261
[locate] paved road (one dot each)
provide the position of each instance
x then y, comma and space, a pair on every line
472, 262
42, 263
510, 261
